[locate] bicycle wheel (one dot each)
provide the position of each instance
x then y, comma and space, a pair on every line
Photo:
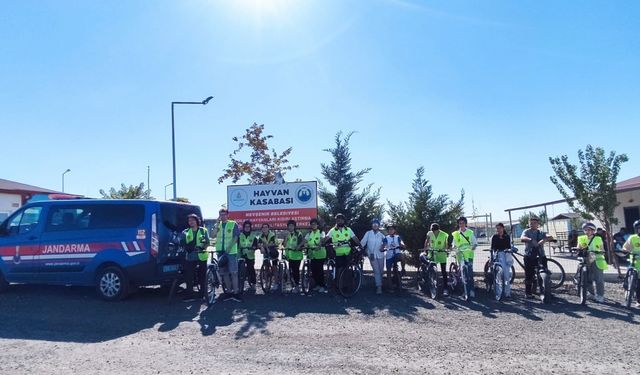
242, 275
422, 280
557, 275
630, 281
432, 279
349, 281
513, 274
307, 280
489, 276
330, 274
583, 283
266, 277
498, 281
454, 280
282, 277
545, 285
211, 285
465, 282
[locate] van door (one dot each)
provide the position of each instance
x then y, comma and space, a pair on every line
20, 244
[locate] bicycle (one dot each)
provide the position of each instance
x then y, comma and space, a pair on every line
350, 277
396, 277
494, 274
558, 275
243, 269
582, 277
306, 278
268, 272
459, 277
630, 283
428, 273
213, 281
330, 273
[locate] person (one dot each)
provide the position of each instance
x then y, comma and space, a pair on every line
534, 241
373, 245
269, 249
600, 232
620, 238
195, 239
227, 247
248, 245
573, 239
317, 254
437, 240
331, 253
632, 245
293, 251
392, 246
594, 245
500, 242
340, 237
465, 243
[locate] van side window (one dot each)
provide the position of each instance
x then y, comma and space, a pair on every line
25, 221
95, 216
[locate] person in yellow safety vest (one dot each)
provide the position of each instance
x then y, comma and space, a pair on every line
317, 254
195, 239
227, 251
597, 264
293, 245
465, 243
632, 245
341, 236
269, 249
438, 240
248, 245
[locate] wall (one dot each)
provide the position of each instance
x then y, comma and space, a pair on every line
624, 199
8, 204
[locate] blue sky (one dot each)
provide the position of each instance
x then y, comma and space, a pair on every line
479, 92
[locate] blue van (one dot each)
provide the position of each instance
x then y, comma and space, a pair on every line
113, 245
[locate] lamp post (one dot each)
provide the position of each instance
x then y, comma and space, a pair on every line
173, 140
63, 173
165, 190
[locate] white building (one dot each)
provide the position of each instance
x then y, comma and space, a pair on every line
14, 194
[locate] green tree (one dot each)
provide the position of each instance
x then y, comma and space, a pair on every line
590, 188
263, 164
524, 219
414, 217
342, 195
127, 192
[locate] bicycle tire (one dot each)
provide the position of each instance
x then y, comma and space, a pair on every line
498, 281
454, 281
513, 275
432, 279
465, 282
350, 276
282, 276
330, 274
211, 285
583, 285
266, 277
489, 276
630, 281
422, 279
556, 270
242, 275
545, 284
306, 279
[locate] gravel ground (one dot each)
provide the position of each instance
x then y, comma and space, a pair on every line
48, 330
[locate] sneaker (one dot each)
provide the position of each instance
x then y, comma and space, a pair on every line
379, 290
600, 299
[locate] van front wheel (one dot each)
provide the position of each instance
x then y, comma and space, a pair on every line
112, 284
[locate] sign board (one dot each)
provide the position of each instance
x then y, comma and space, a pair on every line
274, 204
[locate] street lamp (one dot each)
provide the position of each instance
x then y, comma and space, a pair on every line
173, 140
165, 190
63, 173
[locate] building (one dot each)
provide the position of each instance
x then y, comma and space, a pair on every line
14, 194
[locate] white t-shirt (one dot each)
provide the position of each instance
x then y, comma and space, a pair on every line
392, 241
372, 242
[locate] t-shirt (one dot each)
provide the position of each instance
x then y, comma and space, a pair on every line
500, 243
392, 242
531, 248
372, 242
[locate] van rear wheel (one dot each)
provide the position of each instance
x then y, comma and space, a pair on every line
112, 284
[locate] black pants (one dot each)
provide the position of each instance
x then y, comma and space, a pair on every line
193, 268
443, 270
530, 280
317, 271
251, 270
294, 266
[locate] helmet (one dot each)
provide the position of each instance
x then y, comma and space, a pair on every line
223, 260
435, 226
339, 216
588, 225
636, 225
462, 218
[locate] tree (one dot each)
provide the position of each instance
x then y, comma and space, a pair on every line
524, 219
414, 217
359, 207
590, 189
263, 164
127, 192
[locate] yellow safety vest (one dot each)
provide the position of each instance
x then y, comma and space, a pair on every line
313, 243
594, 245
227, 243
246, 246
461, 243
292, 246
341, 235
635, 248
439, 243
201, 241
